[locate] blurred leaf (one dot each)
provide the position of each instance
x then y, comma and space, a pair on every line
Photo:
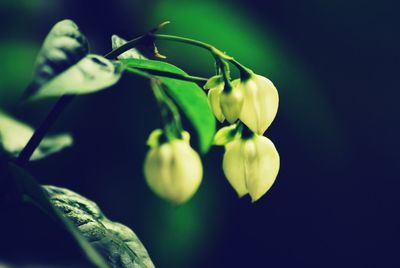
63, 47
189, 97
91, 74
17, 57
116, 242
14, 135
132, 53
32, 192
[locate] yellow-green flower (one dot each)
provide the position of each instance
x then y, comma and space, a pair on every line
172, 169
231, 102
260, 104
214, 101
251, 165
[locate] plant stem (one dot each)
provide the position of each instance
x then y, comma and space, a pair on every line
169, 112
224, 67
41, 131
245, 72
193, 42
125, 47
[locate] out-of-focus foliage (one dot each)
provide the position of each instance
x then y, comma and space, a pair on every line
14, 135
64, 67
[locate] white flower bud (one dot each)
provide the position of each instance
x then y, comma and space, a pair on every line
231, 104
251, 165
260, 103
214, 101
173, 170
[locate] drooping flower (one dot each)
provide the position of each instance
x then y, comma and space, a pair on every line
231, 102
173, 170
260, 103
251, 165
226, 103
215, 86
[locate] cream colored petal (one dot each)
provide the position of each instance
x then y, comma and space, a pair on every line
260, 103
231, 104
269, 102
233, 166
187, 172
249, 114
263, 167
214, 102
156, 169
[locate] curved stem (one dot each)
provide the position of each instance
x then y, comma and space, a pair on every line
193, 42
169, 111
245, 72
224, 66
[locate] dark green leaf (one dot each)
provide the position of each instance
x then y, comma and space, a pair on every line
63, 47
32, 192
190, 98
91, 74
132, 53
116, 242
14, 135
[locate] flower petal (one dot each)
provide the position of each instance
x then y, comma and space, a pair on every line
214, 102
260, 105
263, 166
233, 166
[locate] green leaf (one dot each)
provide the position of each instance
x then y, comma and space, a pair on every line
63, 47
32, 192
116, 242
14, 135
91, 74
189, 97
132, 53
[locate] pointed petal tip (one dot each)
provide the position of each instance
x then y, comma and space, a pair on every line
241, 195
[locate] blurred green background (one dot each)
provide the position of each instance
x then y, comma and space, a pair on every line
335, 64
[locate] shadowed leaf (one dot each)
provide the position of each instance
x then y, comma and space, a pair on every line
118, 244
63, 47
14, 135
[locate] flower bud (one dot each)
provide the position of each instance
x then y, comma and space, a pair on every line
214, 102
231, 102
260, 103
251, 165
173, 170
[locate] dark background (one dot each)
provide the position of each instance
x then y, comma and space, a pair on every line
335, 202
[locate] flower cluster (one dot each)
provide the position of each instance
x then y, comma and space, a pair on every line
251, 162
